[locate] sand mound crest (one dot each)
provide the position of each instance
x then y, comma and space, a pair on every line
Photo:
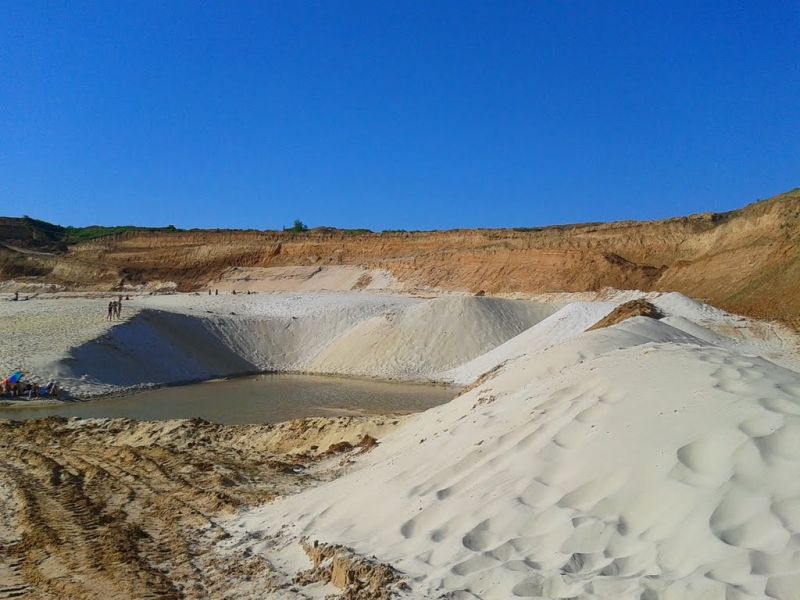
597, 473
562, 325
420, 341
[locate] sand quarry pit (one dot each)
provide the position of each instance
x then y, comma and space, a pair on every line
633, 458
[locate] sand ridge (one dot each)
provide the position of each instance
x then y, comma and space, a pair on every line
182, 338
429, 337
650, 459
585, 470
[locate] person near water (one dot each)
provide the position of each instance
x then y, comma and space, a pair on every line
110, 311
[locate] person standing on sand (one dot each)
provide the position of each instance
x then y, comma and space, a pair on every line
110, 310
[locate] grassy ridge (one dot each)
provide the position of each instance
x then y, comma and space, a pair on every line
76, 235
44, 231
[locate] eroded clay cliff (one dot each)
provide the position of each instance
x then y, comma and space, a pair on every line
745, 260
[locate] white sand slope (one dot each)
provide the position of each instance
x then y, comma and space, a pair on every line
173, 339
710, 324
422, 340
333, 278
566, 323
637, 462
746, 336
184, 337
179, 338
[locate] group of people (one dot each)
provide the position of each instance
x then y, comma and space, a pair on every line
14, 387
115, 308
216, 292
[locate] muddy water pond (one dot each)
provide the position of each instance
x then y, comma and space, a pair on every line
256, 399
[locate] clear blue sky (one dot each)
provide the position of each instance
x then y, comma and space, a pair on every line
397, 114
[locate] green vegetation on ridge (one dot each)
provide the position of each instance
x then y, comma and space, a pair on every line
42, 230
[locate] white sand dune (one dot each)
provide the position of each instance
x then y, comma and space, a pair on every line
649, 460
184, 337
568, 322
179, 338
742, 335
422, 340
172, 339
635, 462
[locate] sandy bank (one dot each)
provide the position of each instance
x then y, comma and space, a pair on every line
651, 459
648, 459
305, 279
181, 338
423, 340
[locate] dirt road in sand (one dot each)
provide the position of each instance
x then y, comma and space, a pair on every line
119, 509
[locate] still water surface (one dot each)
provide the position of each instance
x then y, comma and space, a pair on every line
256, 399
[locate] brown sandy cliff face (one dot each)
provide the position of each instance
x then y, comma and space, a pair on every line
745, 261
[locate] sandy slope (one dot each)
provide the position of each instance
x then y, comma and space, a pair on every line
165, 339
305, 279
568, 322
639, 461
429, 337
648, 460
179, 338
38, 333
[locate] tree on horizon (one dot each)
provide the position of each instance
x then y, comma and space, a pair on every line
298, 226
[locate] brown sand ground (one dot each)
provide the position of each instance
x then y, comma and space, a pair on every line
122, 509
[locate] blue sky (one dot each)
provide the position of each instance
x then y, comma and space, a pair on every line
417, 115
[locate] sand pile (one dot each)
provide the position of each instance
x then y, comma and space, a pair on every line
181, 338
566, 323
768, 339
422, 340
586, 470
36, 332
170, 339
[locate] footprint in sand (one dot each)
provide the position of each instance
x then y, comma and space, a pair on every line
480, 562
